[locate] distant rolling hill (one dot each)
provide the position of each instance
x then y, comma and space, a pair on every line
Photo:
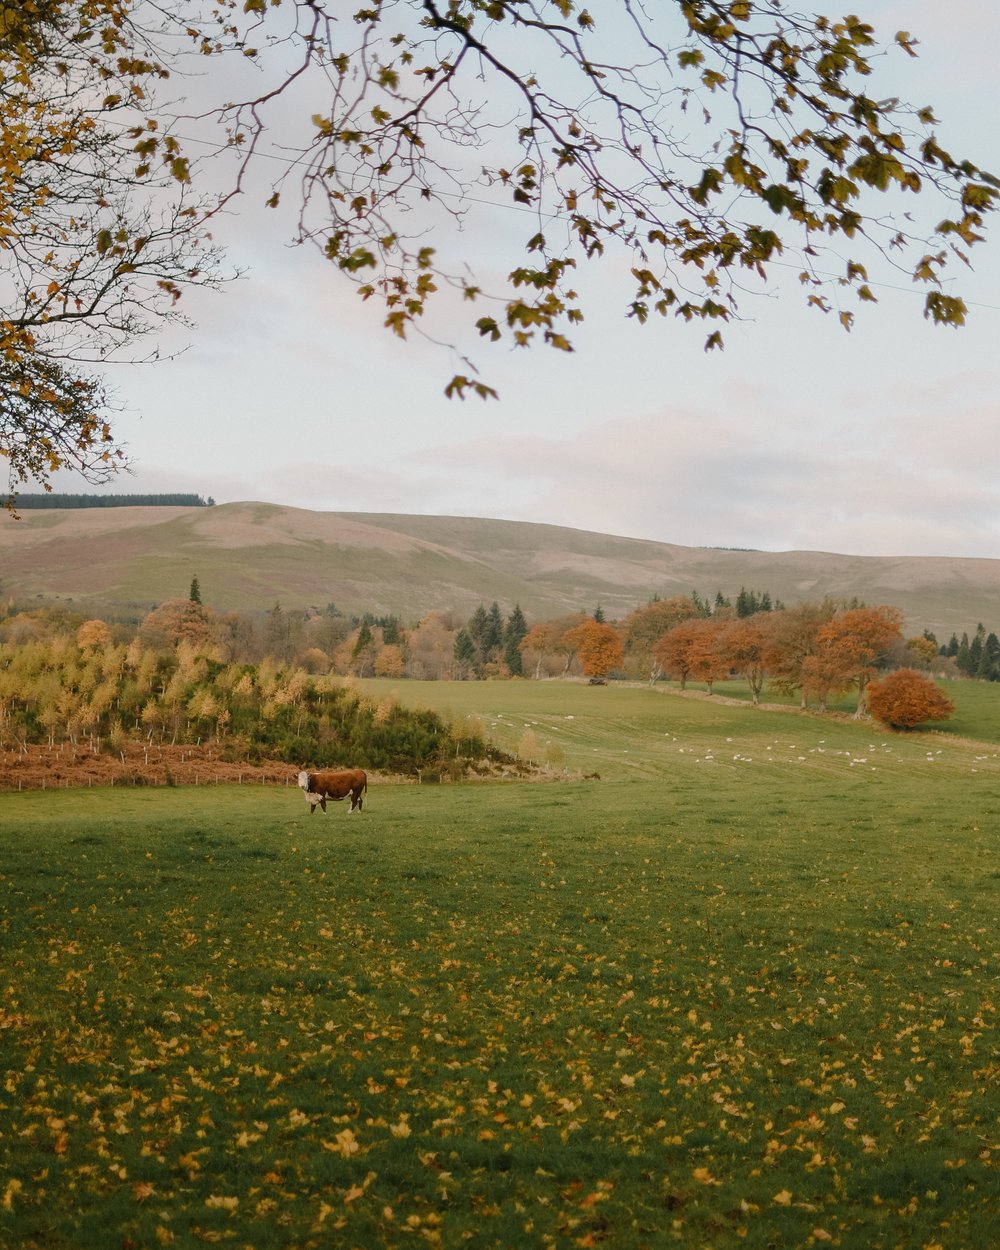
252, 555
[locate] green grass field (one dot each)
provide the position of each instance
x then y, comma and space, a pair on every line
739, 992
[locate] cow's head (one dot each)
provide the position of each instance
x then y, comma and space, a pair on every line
304, 779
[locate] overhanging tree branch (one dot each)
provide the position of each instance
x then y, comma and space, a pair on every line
688, 145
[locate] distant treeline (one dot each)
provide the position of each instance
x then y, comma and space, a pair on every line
53, 500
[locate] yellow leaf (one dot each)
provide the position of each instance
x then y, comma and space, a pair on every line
221, 1202
783, 1198
592, 1199
358, 1191
345, 1144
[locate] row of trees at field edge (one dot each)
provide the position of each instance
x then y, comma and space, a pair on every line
820, 650
815, 649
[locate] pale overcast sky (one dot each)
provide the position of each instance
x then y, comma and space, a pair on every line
798, 436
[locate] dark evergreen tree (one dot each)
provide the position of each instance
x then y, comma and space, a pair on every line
976, 649
514, 631
194, 594
492, 642
466, 652
599, 615
952, 647
989, 661
364, 638
962, 656
478, 626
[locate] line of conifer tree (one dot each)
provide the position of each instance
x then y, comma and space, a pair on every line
490, 644
978, 656
54, 500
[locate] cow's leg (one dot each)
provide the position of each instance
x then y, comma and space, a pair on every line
322, 802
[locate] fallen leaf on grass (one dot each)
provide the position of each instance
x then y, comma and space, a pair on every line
220, 1202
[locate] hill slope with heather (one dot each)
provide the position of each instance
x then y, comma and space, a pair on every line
251, 555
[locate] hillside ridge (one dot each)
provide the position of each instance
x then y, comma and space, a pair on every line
251, 555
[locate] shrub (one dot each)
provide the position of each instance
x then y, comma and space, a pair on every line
906, 698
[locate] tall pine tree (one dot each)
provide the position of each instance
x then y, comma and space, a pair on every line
514, 631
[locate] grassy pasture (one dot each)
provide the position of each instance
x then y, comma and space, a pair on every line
740, 992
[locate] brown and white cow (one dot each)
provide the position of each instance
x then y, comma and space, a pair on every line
334, 783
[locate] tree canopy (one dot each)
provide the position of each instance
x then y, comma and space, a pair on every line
692, 146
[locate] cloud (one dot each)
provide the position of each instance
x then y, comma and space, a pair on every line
694, 477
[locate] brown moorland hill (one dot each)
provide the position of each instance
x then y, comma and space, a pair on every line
251, 555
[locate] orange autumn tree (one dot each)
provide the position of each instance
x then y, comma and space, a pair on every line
548, 639
822, 677
792, 646
906, 698
643, 627
691, 650
96, 634
745, 645
849, 645
598, 646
